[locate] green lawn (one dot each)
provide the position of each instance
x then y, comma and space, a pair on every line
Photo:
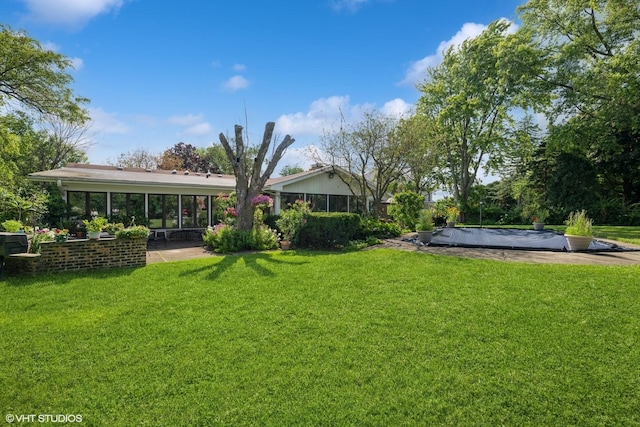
378, 337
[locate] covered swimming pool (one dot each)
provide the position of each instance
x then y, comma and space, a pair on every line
511, 238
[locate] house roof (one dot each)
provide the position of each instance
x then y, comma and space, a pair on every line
88, 173
76, 172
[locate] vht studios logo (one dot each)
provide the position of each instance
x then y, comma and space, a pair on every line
43, 418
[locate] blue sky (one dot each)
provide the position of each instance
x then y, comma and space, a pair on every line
160, 72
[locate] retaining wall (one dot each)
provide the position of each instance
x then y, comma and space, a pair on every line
80, 255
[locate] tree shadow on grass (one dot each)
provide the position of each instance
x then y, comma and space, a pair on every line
257, 261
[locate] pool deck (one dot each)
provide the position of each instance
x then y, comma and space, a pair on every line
178, 251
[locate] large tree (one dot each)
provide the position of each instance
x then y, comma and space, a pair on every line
250, 176
592, 51
30, 146
36, 78
418, 138
183, 156
216, 156
470, 98
371, 154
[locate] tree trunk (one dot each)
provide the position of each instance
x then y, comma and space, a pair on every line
250, 179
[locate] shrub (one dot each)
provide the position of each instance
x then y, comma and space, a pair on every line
292, 219
12, 226
223, 238
406, 207
329, 230
378, 228
264, 238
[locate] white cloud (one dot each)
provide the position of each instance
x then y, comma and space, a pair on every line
396, 108
188, 120
200, 129
77, 63
417, 72
239, 67
72, 13
327, 114
236, 83
108, 123
295, 156
195, 124
321, 113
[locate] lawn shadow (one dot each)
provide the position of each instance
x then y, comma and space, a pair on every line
257, 261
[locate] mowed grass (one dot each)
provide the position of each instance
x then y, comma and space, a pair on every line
378, 337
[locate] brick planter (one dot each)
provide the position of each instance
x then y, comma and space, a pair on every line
80, 255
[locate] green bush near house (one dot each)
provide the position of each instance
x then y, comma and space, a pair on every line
379, 228
224, 238
329, 230
406, 208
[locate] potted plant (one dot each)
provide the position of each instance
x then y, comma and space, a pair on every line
12, 226
539, 218
95, 226
424, 226
452, 215
60, 235
133, 232
113, 227
579, 231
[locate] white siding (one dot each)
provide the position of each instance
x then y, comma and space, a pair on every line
319, 184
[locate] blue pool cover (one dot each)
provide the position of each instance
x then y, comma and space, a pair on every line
510, 238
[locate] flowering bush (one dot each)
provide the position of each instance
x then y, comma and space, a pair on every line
47, 235
262, 200
264, 238
224, 238
60, 235
224, 208
293, 218
452, 213
229, 215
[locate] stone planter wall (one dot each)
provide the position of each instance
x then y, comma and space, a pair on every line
80, 255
